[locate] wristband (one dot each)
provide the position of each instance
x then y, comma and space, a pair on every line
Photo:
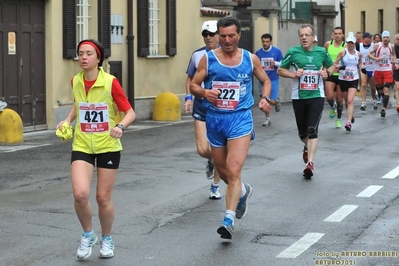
122, 127
206, 92
266, 98
188, 97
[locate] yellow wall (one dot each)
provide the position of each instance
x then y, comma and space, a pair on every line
58, 70
264, 25
261, 26
151, 75
156, 75
353, 17
119, 50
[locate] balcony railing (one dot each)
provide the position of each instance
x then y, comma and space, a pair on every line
296, 10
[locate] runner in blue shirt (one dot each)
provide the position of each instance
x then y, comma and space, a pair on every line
224, 80
270, 58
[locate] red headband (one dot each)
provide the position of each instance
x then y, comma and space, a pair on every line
92, 44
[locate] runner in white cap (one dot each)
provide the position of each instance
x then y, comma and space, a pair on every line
384, 54
368, 78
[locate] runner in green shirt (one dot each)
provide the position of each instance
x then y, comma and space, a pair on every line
307, 65
333, 90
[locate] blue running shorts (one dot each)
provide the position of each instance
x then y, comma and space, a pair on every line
273, 93
221, 127
199, 110
370, 74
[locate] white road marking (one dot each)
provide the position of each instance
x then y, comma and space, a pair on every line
24, 146
368, 192
392, 174
341, 213
301, 245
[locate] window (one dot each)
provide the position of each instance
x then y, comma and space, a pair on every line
82, 20
76, 19
380, 20
156, 22
397, 19
363, 21
153, 27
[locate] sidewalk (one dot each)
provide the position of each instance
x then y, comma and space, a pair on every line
146, 124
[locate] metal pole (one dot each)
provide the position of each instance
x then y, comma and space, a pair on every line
130, 53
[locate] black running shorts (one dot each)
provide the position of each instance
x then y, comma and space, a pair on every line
109, 160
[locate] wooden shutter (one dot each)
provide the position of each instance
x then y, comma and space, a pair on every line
104, 25
143, 43
69, 29
171, 48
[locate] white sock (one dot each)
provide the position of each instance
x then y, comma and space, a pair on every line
243, 190
231, 215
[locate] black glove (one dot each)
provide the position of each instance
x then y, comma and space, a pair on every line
363, 70
342, 67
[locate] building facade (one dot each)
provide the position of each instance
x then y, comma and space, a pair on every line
372, 16
148, 44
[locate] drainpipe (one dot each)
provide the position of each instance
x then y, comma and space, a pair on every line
130, 53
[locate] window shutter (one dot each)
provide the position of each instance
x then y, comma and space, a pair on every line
142, 28
171, 43
104, 25
69, 29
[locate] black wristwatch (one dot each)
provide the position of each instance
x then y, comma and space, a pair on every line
121, 127
266, 98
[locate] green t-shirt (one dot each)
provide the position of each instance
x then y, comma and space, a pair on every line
310, 84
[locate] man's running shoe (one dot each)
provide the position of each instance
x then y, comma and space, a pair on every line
215, 193
107, 247
338, 123
383, 113
241, 210
226, 229
353, 120
363, 106
348, 126
210, 168
397, 108
86, 243
267, 122
308, 172
277, 107
374, 103
305, 154
332, 113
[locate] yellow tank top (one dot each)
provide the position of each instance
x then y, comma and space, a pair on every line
95, 115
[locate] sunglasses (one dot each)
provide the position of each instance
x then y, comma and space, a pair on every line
205, 34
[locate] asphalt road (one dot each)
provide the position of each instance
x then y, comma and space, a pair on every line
346, 215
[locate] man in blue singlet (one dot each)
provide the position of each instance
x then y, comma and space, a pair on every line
227, 91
